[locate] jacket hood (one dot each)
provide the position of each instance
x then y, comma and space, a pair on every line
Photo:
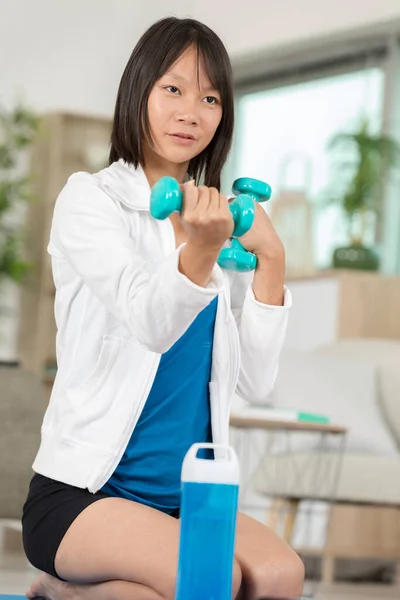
126, 184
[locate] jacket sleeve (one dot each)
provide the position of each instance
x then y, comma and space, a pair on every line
262, 331
89, 232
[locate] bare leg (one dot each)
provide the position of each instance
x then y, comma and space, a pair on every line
269, 566
48, 587
54, 589
116, 541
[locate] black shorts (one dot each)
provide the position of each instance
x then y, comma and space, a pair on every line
48, 512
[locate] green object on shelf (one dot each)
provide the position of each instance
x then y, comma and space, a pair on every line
304, 417
356, 256
283, 413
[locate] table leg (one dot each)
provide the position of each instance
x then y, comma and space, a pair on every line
290, 520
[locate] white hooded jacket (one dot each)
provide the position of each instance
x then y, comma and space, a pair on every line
120, 303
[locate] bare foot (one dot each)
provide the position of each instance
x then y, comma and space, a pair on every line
50, 588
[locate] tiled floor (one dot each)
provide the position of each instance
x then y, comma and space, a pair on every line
16, 575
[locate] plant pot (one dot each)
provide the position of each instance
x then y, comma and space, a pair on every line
356, 256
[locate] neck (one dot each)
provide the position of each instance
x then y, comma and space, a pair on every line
157, 167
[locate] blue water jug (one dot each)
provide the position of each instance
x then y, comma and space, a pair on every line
208, 523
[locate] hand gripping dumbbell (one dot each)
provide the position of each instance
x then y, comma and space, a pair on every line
166, 198
236, 258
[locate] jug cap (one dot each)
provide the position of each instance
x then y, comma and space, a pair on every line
224, 468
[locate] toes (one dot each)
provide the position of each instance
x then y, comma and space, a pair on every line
31, 593
34, 592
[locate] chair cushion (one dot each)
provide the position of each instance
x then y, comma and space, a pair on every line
384, 355
370, 479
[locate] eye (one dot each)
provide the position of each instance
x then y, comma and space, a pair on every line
173, 89
210, 100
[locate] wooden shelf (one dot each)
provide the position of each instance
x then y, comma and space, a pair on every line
66, 143
366, 303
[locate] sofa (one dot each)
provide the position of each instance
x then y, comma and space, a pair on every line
356, 383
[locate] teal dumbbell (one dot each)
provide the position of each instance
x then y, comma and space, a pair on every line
166, 198
233, 258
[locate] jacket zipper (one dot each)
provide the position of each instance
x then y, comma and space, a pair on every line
234, 343
228, 323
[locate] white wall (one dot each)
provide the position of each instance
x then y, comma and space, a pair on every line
70, 54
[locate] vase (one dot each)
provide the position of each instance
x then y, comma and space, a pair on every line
356, 256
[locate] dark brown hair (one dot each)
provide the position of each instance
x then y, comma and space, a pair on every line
156, 51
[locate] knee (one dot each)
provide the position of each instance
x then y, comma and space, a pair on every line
282, 577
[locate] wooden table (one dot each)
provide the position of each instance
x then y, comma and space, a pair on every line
250, 425
240, 422
287, 505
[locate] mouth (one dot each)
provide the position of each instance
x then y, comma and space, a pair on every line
183, 136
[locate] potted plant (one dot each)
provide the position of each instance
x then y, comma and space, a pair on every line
363, 168
17, 130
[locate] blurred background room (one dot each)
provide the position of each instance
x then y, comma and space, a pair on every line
317, 117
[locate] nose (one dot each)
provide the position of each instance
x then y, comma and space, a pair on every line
187, 114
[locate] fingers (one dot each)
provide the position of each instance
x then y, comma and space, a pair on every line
204, 199
190, 197
215, 199
206, 215
224, 204
200, 199
218, 202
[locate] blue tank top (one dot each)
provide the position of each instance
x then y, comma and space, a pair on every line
175, 416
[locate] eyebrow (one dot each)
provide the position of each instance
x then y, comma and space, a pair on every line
181, 79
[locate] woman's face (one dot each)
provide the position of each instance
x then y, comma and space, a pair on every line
184, 111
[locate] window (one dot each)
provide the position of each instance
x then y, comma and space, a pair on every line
283, 134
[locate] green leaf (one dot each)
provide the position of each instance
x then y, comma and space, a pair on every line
12, 264
18, 128
362, 178
6, 157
